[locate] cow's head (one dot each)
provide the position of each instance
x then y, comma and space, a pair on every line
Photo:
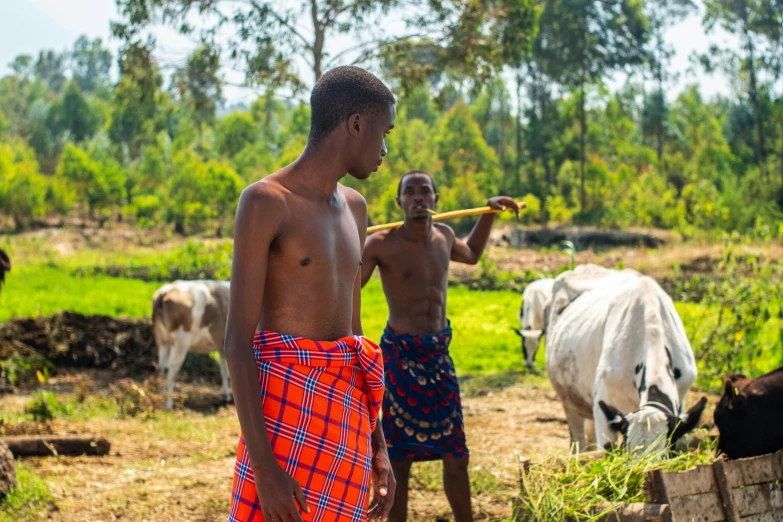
731, 417
654, 425
530, 340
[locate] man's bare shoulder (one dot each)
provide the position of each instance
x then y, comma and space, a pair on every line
267, 191
354, 199
264, 203
380, 237
445, 230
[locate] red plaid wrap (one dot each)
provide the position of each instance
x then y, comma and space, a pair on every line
321, 403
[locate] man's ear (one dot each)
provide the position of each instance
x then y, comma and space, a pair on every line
617, 420
354, 124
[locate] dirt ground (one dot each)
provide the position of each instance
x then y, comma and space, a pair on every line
179, 466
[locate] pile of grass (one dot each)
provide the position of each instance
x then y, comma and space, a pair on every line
567, 490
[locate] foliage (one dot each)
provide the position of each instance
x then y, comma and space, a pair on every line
565, 489
29, 498
23, 370
740, 324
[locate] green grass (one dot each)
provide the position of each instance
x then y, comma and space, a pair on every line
565, 490
28, 499
483, 341
43, 290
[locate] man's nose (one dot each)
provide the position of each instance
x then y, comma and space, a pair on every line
383, 149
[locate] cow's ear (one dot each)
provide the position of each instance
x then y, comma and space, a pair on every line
617, 420
734, 395
689, 420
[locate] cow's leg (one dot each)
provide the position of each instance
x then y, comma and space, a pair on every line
164, 351
604, 434
225, 391
177, 357
576, 427
590, 434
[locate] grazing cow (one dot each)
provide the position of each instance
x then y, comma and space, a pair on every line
5, 266
531, 317
748, 415
618, 354
190, 315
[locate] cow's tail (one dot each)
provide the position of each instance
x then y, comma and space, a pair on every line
157, 307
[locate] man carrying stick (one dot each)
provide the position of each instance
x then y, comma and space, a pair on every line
307, 385
422, 415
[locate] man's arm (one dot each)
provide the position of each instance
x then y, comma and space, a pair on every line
359, 209
470, 251
258, 217
369, 257
383, 482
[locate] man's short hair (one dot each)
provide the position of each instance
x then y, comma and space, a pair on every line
399, 185
341, 92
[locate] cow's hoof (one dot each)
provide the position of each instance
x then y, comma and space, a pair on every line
228, 400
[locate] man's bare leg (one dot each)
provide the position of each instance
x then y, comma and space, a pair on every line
457, 486
402, 471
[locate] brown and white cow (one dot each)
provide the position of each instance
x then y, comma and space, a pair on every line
190, 315
5, 266
749, 415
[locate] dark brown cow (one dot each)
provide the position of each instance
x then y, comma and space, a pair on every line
749, 415
5, 266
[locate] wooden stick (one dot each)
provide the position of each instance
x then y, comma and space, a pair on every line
48, 445
447, 215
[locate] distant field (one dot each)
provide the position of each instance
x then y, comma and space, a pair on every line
483, 340
43, 282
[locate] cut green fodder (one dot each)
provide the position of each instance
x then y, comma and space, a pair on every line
560, 490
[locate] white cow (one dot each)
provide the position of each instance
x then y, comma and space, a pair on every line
190, 315
531, 317
618, 354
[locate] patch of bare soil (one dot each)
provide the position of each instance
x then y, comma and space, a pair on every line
124, 347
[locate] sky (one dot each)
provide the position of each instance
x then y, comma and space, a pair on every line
27, 26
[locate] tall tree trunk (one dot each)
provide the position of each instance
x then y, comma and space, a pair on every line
754, 98
582, 132
502, 139
659, 112
518, 163
541, 94
318, 44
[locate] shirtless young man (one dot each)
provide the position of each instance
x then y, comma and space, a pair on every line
422, 415
307, 385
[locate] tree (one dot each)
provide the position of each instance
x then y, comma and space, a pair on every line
221, 190
270, 34
136, 99
23, 66
50, 68
581, 41
74, 115
90, 64
199, 85
661, 14
22, 188
235, 132
745, 18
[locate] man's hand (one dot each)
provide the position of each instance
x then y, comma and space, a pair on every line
383, 485
276, 493
503, 203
